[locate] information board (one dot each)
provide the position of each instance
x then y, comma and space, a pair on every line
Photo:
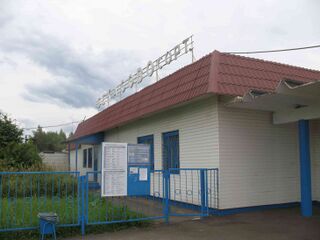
138, 153
114, 169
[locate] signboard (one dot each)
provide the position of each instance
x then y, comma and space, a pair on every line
151, 67
114, 169
138, 153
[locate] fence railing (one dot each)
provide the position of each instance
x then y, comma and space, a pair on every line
108, 210
193, 188
24, 194
77, 199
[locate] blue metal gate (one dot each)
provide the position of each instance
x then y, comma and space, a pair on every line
77, 199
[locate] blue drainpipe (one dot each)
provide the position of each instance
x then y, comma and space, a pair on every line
305, 168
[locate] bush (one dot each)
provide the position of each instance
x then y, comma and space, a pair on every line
19, 156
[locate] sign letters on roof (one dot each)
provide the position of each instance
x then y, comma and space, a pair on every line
152, 67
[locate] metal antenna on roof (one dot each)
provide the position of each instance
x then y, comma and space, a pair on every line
133, 80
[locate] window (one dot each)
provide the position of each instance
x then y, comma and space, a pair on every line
89, 157
148, 140
85, 157
170, 150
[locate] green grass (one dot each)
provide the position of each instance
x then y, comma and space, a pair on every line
22, 212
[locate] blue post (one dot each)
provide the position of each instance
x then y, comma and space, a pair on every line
83, 180
203, 191
305, 169
69, 159
76, 157
166, 175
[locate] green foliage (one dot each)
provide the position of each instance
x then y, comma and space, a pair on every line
13, 153
49, 141
38, 185
9, 132
20, 156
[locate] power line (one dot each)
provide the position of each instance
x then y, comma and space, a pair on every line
275, 50
52, 126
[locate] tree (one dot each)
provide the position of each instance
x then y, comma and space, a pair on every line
9, 132
13, 152
49, 141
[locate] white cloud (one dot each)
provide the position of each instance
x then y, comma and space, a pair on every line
56, 57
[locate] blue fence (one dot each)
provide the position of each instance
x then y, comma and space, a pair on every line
24, 194
78, 202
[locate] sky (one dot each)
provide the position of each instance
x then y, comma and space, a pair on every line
57, 57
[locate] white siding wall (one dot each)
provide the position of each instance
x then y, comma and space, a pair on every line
198, 133
315, 155
72, 160
259, 161
197, 123
82, 170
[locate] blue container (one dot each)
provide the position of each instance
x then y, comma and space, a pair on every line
47, 227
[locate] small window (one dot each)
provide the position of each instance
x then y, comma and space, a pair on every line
148, 140
170, 151
85, 157
89, 157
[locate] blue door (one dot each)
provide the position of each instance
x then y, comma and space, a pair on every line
170, 150
148, 140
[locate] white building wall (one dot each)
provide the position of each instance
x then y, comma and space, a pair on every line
197, 123
259, 161
80, 167
315, 156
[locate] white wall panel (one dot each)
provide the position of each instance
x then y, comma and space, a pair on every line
259, 161
197, 123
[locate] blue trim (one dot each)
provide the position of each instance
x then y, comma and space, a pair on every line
305, 168
91, 139
223, 212
77, 146
69, 159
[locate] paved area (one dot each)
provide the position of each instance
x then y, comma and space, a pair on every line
277, 224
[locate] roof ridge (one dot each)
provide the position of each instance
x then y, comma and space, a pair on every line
269, 61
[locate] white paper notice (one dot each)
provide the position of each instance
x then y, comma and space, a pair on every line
114, 169
143, 174
133, 170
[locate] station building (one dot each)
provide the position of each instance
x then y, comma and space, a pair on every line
256, 121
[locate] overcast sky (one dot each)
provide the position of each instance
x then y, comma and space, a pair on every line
58, 57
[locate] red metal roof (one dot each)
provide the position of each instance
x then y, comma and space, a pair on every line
216, 73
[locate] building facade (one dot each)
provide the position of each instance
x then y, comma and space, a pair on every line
243, 116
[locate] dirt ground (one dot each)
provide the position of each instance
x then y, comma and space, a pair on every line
278, 224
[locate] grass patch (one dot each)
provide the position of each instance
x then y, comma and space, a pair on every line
22, 212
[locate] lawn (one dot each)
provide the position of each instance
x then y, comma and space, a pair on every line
22, 212
23, 196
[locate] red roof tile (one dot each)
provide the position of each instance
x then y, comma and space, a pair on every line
216, 73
